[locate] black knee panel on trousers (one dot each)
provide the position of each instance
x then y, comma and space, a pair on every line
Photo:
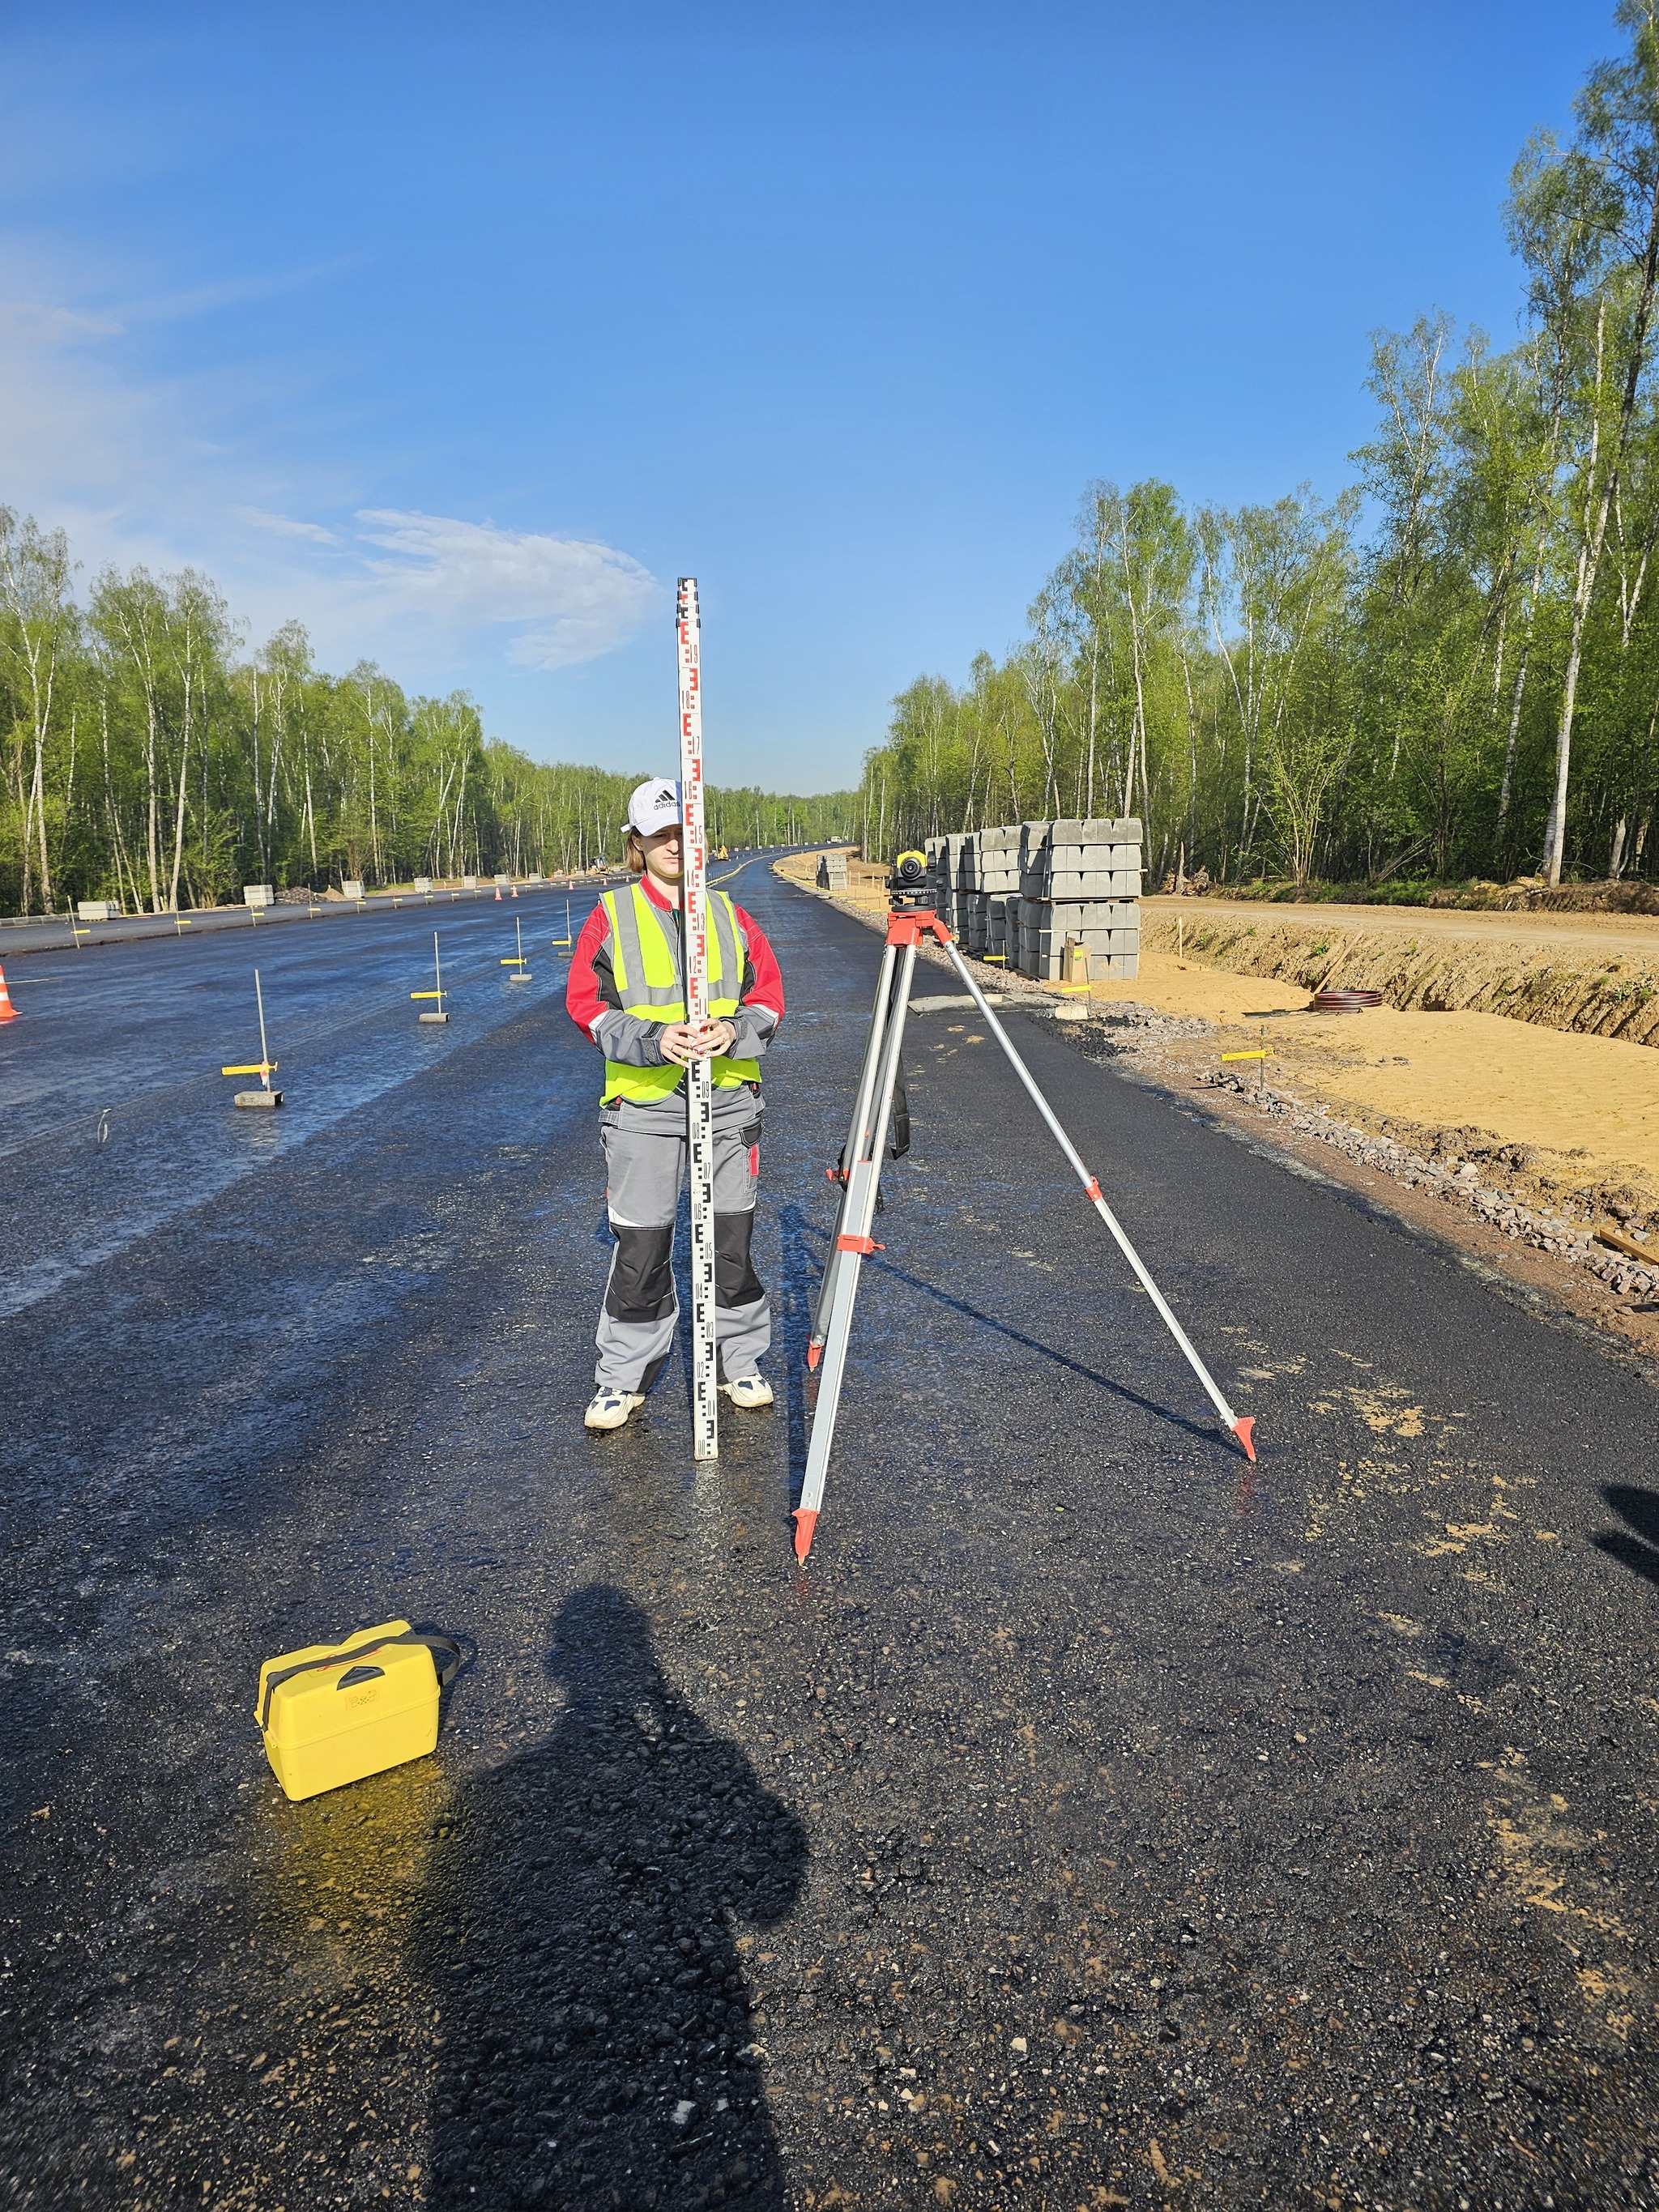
641, 1285
736, 1283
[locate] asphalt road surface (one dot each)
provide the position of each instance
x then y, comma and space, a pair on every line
1093, 1821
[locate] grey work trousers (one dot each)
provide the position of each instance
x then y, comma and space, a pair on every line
645, 1171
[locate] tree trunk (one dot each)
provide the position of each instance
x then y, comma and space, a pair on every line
151, 818
1589, 552
179, 828
40, 817
1506, 786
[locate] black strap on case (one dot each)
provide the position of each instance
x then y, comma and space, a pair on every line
434, 1643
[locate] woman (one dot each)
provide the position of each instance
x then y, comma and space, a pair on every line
626, 990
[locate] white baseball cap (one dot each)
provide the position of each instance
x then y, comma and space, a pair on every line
655, 805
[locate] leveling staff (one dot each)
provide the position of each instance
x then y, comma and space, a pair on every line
628, 991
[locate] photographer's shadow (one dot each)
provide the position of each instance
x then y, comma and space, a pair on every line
577, 1943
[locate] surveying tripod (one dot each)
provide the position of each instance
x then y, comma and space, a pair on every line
911, 921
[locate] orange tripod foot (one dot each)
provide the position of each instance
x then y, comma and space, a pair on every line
806, 1522
814, 1353
1244, 1430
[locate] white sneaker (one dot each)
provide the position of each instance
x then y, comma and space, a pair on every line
749, 1390
610, 1408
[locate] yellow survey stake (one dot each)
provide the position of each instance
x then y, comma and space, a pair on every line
1247, 1056
511, 960
426, 994
259, 1067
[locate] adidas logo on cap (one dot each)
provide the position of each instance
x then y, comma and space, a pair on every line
655, 806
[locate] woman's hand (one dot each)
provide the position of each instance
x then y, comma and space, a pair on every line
684, 1042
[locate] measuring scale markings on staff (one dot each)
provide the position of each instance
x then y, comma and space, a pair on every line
699, 1085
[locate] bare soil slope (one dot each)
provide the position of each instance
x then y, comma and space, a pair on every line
1588, 973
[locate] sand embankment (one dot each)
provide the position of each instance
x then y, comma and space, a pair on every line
1588, 973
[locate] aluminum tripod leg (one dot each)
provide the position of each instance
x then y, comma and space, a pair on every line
857, 1130
1242, 1429
852, 1244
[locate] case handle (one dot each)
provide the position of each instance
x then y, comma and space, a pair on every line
434, 1643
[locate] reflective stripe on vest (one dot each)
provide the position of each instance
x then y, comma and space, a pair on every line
645, 961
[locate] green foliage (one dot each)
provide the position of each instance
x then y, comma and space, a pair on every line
1469, 690
144, 761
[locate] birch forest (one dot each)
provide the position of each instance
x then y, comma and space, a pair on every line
1448, 671
150, 760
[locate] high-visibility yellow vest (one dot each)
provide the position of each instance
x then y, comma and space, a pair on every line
645, 959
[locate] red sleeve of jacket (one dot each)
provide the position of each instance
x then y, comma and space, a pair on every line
767, 990
584, 1001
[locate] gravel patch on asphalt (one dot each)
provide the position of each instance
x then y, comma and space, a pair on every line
1137, 1033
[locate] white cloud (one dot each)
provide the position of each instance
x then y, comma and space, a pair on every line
179, 471
568, 599
284, 525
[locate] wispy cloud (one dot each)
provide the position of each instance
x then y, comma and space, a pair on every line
284, 526
181, 472
566, 599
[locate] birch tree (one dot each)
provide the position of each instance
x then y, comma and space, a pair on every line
37, 621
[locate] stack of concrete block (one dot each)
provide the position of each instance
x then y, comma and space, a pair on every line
970, 901
1023, 892
832, 871
1079, 885
998, 852
961, 863
945, 864
1033, 856
998, 879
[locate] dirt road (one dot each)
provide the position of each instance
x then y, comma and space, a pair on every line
1554, 933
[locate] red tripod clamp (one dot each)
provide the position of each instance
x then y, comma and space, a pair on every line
912, 925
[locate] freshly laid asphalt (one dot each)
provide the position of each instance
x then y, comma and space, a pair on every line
1094, 1820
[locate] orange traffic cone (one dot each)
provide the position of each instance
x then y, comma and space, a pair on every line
515, 890
8, 1012
498, 894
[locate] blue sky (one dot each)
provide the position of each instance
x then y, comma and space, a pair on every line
457, 333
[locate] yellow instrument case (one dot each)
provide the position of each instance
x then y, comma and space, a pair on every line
334, 1712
